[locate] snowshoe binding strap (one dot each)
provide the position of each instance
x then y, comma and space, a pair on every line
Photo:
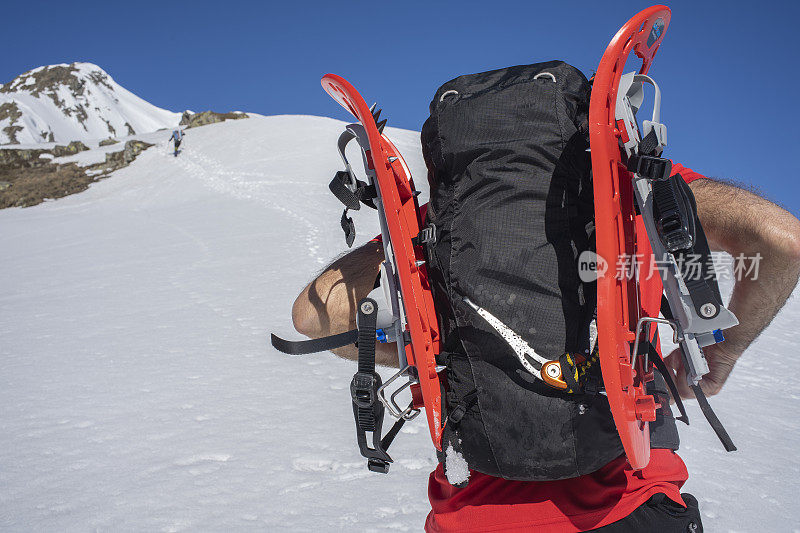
661, 366
368, 411
674, 214
338, 186
713, 421
349, 190
321, 344
705, 407
655, 168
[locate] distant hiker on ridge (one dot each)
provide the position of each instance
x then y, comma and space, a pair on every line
177, 137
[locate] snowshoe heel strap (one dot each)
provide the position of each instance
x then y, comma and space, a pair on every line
713, 421
321, 344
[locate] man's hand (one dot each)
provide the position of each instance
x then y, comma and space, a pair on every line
744, 225
327, 306
720, 364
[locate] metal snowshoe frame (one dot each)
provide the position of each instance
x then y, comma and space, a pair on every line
635, 197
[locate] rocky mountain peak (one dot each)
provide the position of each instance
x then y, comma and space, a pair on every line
48, 79
76, 101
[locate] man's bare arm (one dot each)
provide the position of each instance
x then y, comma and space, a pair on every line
745, 225
327, 306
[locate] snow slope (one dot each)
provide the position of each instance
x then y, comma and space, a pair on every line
79, 101
139, 391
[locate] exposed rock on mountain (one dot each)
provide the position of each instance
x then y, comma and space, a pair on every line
71, 149
30, 176
10, 114
192, 120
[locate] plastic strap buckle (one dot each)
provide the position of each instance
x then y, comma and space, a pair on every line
364, 389
650, 167
378, 465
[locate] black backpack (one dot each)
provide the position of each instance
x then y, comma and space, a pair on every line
512, 205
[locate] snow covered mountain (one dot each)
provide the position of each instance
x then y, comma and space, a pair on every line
139, 390
79, 101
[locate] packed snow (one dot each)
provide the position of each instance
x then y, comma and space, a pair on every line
139, 390
86, 104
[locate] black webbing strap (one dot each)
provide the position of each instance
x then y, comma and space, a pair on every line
593, 385
367, 409
702, 401
387, 439
363, 194
460, 407
649, 143
367, 322
342, 192
665, 309
703, 288
667, 375
702, 293
716, 425
315, 345
365, 384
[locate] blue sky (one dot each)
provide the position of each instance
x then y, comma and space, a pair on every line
729, 76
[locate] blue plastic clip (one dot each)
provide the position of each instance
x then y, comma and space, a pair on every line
380, 335
718, 336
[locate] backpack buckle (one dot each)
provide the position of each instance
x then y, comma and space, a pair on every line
427, 235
